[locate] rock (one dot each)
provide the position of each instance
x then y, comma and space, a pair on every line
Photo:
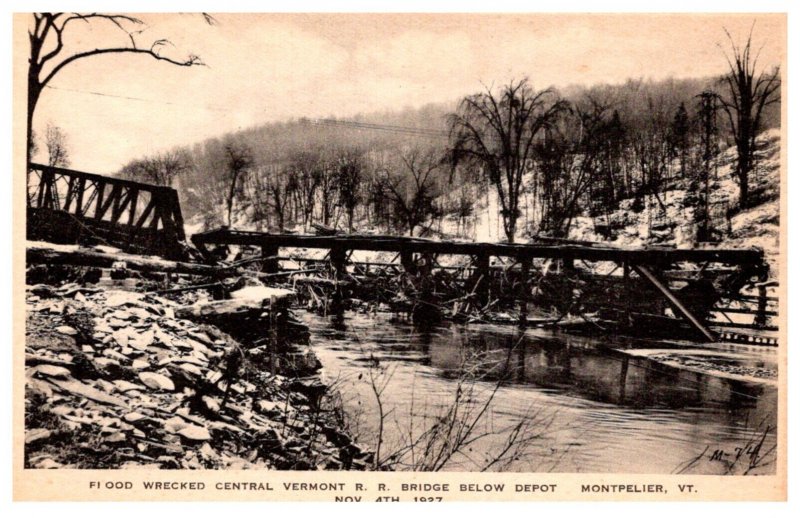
195, 433
117, 323
121, 336
156, 381
101, 325
141, 314
208, 453
212, 403
175, 424
38, 387
219, 425
121, 314
213, 376
66, 330
268, 407
81, 389
191, 369
105, 385
119, 298
140, 341
133, 417
193, 358
61, 410
37, 434
116, 437
114, 355
105, 362
125, 386
140, 364
53, 371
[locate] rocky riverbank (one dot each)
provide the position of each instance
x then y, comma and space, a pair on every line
121, 379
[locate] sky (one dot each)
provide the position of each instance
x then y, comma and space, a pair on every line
272, 67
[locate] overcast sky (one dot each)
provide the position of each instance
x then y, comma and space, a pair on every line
264, 68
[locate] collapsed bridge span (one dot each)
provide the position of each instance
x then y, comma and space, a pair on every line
684, 285
68, 207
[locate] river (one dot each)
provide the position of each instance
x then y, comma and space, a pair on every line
574, 404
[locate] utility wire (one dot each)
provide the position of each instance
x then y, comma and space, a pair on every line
128, 98
425, 132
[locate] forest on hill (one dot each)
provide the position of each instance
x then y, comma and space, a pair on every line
547, 157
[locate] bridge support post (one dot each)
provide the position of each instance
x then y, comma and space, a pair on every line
269, 259
407, 260
524, 276
568, 264
482, 267
338, 260
761, 310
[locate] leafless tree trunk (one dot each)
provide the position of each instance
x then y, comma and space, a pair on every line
47, 36
497, 133
412, 189
747, 94
239, 161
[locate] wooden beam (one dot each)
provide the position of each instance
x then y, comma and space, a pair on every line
99, 178
113, 197
99, 188
42, 254
656, 256
147, 210
645, 273
70, 194
747, 311
79, 200
134, 197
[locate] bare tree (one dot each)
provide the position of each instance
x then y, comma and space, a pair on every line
680, 136
56, 142
747, 93
279, 191
161, 169
306, 173
258, 194
239, 161
498, 133
412, 188
47, 37
328, 174
350, 168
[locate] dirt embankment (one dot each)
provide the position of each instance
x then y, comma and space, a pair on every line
114, 379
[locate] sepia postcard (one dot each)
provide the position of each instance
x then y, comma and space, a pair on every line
351, 257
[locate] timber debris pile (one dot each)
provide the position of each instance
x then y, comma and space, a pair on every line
118, 379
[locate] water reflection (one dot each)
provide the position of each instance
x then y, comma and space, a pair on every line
616, 412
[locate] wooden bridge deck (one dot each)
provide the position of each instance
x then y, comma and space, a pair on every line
650, 255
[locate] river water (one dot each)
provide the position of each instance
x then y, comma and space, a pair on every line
573, 404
